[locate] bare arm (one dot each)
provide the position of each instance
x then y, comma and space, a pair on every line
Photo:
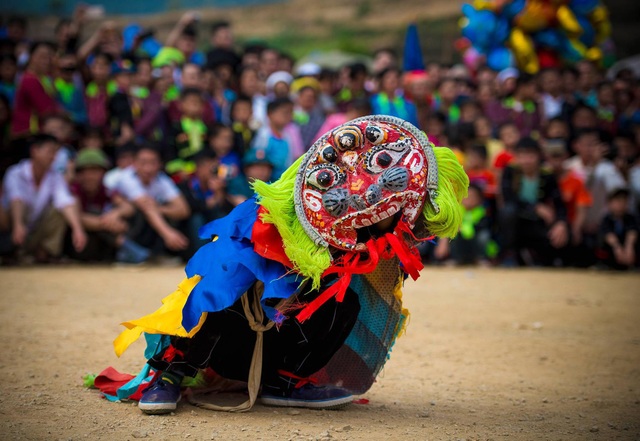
18, 229
71, 214
122, 207
578, 223
95, 40
176, 209
171, 237
184, 21
91, 222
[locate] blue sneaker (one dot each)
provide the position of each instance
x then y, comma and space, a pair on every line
309, 396
161, 397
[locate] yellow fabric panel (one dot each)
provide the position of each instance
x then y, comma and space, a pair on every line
166, 320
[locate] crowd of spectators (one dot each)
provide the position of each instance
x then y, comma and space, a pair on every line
110, 150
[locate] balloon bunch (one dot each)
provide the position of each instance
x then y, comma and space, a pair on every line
535, 34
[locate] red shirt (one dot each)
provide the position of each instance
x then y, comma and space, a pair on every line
33, 101
502, 160
94, 204
485, 179
574, 194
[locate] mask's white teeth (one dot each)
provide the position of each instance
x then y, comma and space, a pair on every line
366, 222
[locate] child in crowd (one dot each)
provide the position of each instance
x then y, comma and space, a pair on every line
472, 245
479, 174
206, 195
241, 124
221, 143
69, 88
574, 193
271, 138
509, 135
557, 128
533, 216
618, 232
119, 107
8, 71
124, 158
189, 135
99, 90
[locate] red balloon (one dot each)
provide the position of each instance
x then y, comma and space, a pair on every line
548, 58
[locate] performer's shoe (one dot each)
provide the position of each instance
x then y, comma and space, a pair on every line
161, 397
308, 396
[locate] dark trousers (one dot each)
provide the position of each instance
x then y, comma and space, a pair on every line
523, 229
225, 343
101, 247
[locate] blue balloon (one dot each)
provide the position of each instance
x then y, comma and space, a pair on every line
583, 7
513, 8
483, 28
549, 38
499, 58
588, 36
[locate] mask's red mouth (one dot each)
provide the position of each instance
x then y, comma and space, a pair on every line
374, 221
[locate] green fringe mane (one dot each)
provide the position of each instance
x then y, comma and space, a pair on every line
452, 188
308, 259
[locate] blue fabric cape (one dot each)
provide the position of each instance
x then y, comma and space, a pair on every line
229, 266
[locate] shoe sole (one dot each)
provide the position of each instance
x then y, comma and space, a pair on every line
157, 408
334, 404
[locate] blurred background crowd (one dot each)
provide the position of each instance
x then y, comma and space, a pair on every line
117, 146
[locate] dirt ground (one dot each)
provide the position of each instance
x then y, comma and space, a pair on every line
489, 354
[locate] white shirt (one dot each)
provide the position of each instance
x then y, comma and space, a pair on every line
162, 189
551, 106
19, 184
112, 177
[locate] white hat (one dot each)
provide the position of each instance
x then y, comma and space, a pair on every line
280, 76
509, 72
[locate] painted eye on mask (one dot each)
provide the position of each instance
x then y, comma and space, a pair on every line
325, 176
375, 135
329, 154
378, 161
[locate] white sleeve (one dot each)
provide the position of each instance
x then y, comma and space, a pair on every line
611, 177
13, 188
62, 197
168, 189
130, 186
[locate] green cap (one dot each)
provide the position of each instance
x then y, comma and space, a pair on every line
168, 56
92, 158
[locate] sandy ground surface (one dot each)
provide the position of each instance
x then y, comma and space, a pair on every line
489, 354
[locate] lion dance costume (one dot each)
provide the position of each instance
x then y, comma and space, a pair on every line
298, 292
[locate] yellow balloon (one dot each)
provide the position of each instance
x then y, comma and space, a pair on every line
599, 15
593, 54
568, 22
523, 49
